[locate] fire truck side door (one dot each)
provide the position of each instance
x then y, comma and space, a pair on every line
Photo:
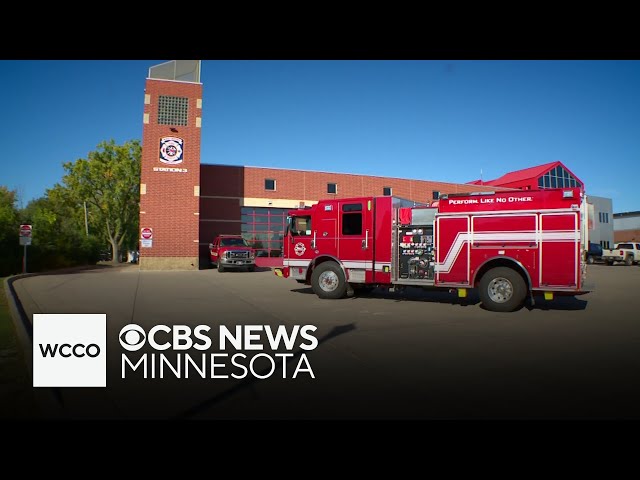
355, 234
298, 242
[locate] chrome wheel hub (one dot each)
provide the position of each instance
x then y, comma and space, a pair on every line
328, 281
500, 290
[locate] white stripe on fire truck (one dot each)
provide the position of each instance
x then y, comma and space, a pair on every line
462, 238
346, 263
296, 263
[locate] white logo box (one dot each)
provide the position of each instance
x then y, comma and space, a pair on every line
75, 350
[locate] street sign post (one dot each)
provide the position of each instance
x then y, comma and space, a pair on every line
25, 239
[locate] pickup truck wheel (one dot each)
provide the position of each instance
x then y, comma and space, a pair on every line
251, 268
590, 260
327, 281
502, 289
220, 267
610, 262
628, 261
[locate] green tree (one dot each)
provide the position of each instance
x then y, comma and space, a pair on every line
9, 224
109, 181
59, 239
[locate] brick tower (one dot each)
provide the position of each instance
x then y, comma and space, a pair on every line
170, 177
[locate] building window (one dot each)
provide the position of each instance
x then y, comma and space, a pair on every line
263, 229
173, 110
332, 188
606, 217
386, 191
558, 177
600, 217
436, 195
269, 184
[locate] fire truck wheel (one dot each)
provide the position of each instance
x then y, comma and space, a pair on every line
502, 289
327, 281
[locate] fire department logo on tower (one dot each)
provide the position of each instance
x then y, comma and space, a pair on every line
171, 150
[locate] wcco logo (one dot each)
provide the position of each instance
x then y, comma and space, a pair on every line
78, 350
69, 350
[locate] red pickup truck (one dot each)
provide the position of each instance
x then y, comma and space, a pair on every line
232, 251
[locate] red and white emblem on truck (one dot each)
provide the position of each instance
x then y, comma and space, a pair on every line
299, 249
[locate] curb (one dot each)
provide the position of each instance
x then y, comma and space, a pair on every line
20, 320
48, 400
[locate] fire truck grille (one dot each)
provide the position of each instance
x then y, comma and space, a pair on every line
237, 254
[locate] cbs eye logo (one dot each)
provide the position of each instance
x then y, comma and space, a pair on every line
132, 337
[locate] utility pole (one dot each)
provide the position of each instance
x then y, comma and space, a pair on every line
86, 221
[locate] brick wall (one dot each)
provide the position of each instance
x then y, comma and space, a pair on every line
168, 202
312, 186
626, 236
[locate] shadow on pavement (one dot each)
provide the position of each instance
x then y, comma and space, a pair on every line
443, 296
559, 303
82, 269
303, 290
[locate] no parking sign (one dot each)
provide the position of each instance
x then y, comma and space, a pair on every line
146, 237
25, 234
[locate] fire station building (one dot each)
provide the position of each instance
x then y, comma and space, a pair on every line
254, 201
184, 203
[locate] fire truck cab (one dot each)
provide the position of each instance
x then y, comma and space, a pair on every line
506, 244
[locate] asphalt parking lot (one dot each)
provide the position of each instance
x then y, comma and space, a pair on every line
404, 355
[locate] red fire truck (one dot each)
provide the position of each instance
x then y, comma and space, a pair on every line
506, 244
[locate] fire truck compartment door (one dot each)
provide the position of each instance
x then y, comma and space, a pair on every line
559, 250
452, 250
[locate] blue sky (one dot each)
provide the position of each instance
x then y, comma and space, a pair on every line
435, 120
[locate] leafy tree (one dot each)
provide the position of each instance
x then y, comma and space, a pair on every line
108, 181
8, 213
59, 238
10, 257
